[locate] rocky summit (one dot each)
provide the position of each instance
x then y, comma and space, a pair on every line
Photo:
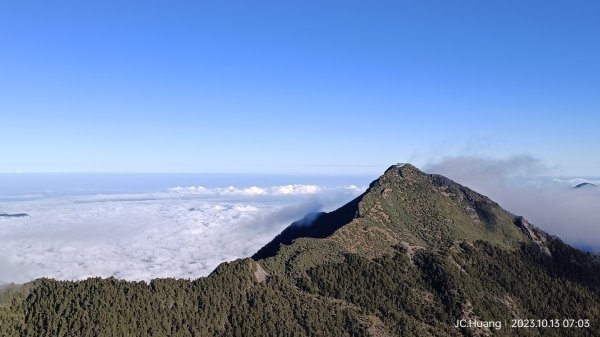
415, 255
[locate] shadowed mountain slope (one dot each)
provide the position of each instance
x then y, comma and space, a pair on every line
316, 225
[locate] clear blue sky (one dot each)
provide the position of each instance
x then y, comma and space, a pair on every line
296, 86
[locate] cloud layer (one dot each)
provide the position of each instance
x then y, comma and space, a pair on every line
552, 204
182, 232
296, 189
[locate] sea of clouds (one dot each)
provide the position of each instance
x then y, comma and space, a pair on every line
181, 232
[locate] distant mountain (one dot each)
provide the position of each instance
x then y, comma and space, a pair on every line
585, 185
16, 215
412, 256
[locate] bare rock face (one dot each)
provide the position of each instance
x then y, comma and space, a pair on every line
260, 273
535, 234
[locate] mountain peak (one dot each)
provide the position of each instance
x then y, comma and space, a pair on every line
407, 207
396, 175
585, 185
402, 169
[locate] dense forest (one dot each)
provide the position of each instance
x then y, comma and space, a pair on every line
410, 257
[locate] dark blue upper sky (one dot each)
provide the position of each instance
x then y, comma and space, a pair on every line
296, 86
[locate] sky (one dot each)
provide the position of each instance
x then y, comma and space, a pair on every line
327, 87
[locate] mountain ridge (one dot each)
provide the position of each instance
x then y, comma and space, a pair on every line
585, 185
477, 206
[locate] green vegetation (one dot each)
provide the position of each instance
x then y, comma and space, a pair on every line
412, 255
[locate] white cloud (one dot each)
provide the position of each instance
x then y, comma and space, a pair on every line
189, 189
296, 189
354, 188
249, 191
